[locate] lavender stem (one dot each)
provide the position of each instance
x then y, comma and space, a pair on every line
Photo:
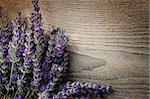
27, 95
16, 94
12, 68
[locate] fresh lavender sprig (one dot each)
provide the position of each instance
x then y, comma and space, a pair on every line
27, 56
36, 20
58, 55
76, 89
56, 59
5, 37
14, 50
28, 51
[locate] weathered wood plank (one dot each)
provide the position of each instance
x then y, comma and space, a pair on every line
109, 40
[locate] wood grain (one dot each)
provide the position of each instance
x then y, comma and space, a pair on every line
109, 41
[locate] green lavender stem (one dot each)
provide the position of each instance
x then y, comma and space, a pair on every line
32, 92
27, 95
15, 94
12, 68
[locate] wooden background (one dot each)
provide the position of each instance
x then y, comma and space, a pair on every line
109, 40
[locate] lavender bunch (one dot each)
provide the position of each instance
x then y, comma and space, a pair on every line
32, 64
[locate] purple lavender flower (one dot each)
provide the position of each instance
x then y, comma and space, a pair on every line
77, 89
16, 47
19, 97
5, 37
27, 56
28, 51
36, 20
13, 77
55, 59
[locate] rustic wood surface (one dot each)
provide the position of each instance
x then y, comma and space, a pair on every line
109, 40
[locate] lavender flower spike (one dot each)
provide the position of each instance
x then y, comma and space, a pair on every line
14, 49
27, 54
5, 37
28, 51
78, 89
56, 59
36, 20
